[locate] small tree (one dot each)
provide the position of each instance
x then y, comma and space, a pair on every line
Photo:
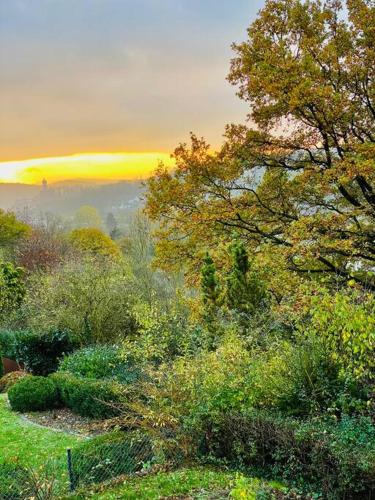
112, 226
209, 282
245, 291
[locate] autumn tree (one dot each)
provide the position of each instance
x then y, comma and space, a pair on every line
93, 242
299, 184
11, 229
41, 250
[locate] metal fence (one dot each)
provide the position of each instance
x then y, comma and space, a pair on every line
19, 482
94, 461
104, 459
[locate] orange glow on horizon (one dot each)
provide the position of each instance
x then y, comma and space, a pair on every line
95, 166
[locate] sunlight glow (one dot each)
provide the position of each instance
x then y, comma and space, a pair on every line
86, 166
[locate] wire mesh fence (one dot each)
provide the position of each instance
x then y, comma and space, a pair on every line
93, 461
108, 457
46, 482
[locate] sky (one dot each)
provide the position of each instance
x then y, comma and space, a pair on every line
83, 79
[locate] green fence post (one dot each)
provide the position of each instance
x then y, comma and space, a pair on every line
72, 483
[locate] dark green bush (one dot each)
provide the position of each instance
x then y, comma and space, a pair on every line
99, 362
109, 456
88, 397
8, 344
335, 458
33, 393
40, 353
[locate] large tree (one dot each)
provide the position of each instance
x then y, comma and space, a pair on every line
299, 183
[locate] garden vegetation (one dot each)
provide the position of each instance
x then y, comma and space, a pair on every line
234, 325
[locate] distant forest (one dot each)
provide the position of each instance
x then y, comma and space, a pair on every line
65, 198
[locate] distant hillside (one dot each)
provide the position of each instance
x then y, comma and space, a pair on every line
16, 195
65, 198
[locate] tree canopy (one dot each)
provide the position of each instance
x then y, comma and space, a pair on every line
11, 229
87, 216
94, 242
298, 185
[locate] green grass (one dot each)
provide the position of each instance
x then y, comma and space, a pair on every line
29, 444
164, 484
199, 483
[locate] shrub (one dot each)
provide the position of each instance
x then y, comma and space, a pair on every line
334, 458
18, 482
40, 353
33, 394
8, 380
181, 396
163, 336
300, 379
89, 397
99, 362
346, 323
92, 301
8, 344
110, 455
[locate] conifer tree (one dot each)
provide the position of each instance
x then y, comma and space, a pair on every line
245, 291
209, 282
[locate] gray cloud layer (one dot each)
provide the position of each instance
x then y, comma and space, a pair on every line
107, 75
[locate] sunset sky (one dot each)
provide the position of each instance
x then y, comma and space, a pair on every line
79, 77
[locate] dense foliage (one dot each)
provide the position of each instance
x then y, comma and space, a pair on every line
33, 394
94, 242
89, 397
99, 362
40, 353
84, 298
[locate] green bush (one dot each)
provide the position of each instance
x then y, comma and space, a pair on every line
335, 458
89, 397
345, 322
93, 301
163, 336
302, 379
33, 393
110, 455
99, 362
40, 353
8, 344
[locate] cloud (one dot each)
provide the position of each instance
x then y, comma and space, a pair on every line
115, 75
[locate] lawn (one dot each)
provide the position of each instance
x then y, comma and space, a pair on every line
29, 444
195, 483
